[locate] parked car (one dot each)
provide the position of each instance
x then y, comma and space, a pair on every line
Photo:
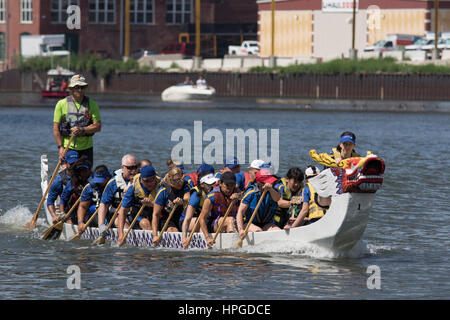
417, 44
185, 48
393, 42
248, 47
381, 45
142, 53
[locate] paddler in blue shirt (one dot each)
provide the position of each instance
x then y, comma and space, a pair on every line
115, 190
264, 218
174, 191
141, 193
196, 202
91, 195
216, 205
60, 183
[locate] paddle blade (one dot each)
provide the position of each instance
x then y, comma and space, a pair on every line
239, 243
99, 241
75, 237
53, 232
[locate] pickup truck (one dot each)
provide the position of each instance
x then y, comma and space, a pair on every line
246, 48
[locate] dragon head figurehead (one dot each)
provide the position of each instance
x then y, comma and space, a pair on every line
358, 174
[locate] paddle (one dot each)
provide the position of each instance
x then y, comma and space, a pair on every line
101, 239
80, 232
167, 222
193, 231
122, 241
54, 231
30, 225
239, 243
222, 223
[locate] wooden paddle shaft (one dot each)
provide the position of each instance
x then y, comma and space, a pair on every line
32, 223
66, 216
133, 222
252, 217
86, 225
167, 221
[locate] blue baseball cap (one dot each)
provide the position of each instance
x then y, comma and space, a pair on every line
71, 156
147, 172
349, 138
205, 168
231, 162
100, 176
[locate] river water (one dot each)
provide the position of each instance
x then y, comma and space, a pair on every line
407, 237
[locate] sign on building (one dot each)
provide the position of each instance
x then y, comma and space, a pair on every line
338, 5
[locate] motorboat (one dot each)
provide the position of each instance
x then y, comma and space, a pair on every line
56, 84
188, 92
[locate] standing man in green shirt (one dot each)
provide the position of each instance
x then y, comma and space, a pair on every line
76, 115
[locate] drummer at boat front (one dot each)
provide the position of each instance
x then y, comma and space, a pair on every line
313, 207
91, 195
175, 191
77, 115
115, 190
60, 183
142, 192
346, 147
264, 217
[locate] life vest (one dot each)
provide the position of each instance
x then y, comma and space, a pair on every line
336, 154
221, 204
281, 216
247, 179
121, 188
75, 117
193, 176
316, 211
202, 196
171, 196
140, 194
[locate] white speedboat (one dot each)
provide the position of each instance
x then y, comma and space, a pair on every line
339, 230
182, 92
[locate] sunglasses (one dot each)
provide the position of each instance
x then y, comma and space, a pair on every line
135, 167
148, 179
79, 87
176, 180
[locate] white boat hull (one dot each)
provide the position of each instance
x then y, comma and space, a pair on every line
339, 230
186, 93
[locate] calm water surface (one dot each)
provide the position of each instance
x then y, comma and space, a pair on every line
407, 236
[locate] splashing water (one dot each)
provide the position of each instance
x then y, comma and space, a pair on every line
18, 217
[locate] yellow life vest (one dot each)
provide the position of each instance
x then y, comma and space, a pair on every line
202, 196
139, 191
282, 213
315, 210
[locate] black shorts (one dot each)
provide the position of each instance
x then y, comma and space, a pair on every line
89, 153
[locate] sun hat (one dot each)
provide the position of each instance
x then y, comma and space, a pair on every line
77, 80
147, 172
349, 138
209, 179
205, 168
265, 176
100, 175
231, 162
256, 164
71, 156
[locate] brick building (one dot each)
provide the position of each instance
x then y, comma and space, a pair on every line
323, 28
153, 24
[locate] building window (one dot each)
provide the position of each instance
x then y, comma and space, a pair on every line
178, 11
141, 11
59, 9
2, 46
2, 11
102, 11
26, 11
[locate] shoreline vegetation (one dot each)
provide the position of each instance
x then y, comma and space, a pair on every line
107, 67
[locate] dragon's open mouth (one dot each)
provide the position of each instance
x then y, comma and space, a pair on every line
364, 177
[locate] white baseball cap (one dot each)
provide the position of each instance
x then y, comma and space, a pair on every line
256, 164
209, 179
311, 171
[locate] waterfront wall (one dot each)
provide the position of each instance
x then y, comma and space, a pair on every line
312, 86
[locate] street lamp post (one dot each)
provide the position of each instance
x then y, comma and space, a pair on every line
353, 51
272, 59
197, 58
436, 30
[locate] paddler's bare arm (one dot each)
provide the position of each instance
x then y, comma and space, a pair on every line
206, 209
121, 221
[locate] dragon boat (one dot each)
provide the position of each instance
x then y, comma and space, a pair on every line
352, 190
